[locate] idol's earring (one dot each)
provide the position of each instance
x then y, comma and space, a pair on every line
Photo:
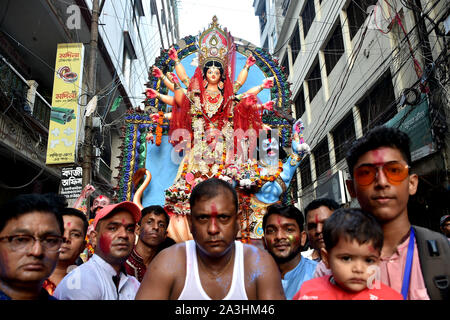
220, 85
205, 83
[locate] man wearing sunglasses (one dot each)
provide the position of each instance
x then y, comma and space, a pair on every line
31, 232
382, 181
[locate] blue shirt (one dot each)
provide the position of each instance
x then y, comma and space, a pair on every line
294, 279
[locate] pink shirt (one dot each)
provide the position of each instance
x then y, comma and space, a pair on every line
392, 268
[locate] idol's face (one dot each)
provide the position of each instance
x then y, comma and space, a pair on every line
213, 75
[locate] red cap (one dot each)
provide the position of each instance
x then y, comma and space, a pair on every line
126, 205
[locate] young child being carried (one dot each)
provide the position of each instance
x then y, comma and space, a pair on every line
353, 242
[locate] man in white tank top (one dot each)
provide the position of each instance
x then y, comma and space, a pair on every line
213, 265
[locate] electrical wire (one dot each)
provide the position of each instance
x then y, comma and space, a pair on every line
2, 185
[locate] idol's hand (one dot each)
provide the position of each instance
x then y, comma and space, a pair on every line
151, 93
297, 130
156, 72
268, 105
173, 77
298, 144
173, 53
267, 83
300, 148
149, 137
250, 61
154, 117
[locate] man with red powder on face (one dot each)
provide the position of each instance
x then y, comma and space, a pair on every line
414, 260
98, 203
104, 277
284, 239
214, 265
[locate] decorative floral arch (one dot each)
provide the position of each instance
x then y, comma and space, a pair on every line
137, 124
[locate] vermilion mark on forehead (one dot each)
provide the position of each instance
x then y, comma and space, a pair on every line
69, 224
371, 248
378, 155
213, 210
213, 214
316, 218
100, 197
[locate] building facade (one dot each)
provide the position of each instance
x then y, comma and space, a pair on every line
131, 35
355, 64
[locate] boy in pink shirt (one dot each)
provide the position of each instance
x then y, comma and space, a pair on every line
353, 242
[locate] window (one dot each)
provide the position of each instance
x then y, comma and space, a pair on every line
321, 157
378, 107
343, 136
285, 64
295, 43
334, 49
305, 172
138, 8
274, 39
285, 6
128, 55
153, 7
126, 66
300, 104
266, 44
163, 17
314, 80
308, 15
263, 17
356, 14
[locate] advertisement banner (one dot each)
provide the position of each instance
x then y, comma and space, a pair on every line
71, 182
63, 128
415, 121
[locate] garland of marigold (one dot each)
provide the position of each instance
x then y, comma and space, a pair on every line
271, 177
159, 129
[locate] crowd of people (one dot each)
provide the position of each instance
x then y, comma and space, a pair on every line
329, 253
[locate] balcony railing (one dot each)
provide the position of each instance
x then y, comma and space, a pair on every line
42, 110
14, 92
12, 86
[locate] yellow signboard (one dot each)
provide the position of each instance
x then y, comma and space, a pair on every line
63, 129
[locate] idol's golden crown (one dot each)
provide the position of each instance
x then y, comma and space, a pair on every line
213, 45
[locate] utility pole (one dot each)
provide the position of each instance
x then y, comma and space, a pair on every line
87, 146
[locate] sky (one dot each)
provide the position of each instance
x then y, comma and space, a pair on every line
238, 16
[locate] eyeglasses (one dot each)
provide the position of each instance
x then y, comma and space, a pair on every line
22, 242
394, 171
